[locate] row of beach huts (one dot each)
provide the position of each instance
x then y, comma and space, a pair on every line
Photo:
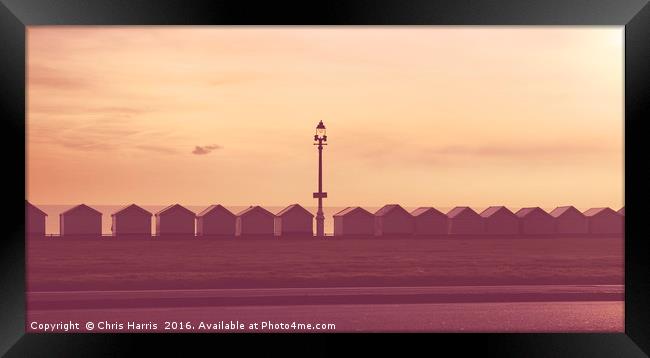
391, 220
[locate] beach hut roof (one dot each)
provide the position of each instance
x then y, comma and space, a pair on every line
81, 206
172, 207
495, 209
131, 206
561, 210
461, 210
351, 209
425, 209
34, 207
251, 209
524, 212
386, 209
597, 211
293, 207
212, 208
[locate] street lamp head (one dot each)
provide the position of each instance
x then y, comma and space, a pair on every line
321, 132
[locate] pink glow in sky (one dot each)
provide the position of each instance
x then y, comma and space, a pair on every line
443, 116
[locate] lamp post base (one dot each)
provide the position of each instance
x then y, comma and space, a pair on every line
320, 225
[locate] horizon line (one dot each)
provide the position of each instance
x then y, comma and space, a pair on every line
315, 205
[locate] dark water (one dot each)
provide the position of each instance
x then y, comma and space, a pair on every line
594, 316
551, 308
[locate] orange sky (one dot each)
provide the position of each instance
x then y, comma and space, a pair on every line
437, 116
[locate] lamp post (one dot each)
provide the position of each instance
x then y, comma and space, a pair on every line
320, 138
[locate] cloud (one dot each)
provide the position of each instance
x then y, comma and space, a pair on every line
43, 76
393, 152
85, 144
200, 150
124, 110
156, 148
523, 150
232, 78
79, 109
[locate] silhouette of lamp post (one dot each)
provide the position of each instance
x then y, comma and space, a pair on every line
320, 138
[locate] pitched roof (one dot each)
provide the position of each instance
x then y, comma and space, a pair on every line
351, 209
425, 209
386, 209
250, 209
461, 210
132, 206
174, 206
212, 208
561, 210
34, 207
495, 209
524, 212
292, 207
597, 211
81, 206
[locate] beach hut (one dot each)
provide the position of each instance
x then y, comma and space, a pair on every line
255, 221
34, 220
535, 221
80, 221
428, 221
464, 221
216, 221
569, 220
175, 221
392, 219
604, 221
621, 211
294, 220
498, 220
354, 221
131, 221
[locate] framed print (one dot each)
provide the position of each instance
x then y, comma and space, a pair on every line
457, 175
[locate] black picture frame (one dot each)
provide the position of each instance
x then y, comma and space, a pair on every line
15, 15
